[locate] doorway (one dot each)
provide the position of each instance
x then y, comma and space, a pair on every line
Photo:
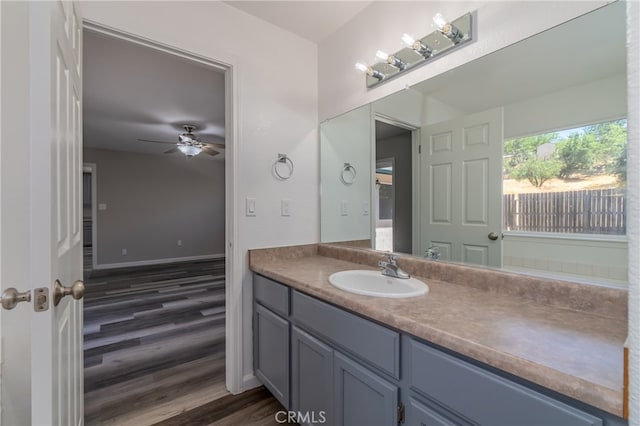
393, 192
155, 300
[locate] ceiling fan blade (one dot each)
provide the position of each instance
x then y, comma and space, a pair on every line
171, 151
209, 150
147, 140
215, 145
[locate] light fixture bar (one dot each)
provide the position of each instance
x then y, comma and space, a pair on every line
449, 35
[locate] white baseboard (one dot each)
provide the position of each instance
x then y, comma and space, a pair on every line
156, 261
250, 381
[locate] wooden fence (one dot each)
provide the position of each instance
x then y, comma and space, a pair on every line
599, 211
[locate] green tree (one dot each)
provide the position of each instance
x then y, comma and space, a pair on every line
620, 167
537, 171
518, 151
597, 149
522, 162
612, 137
578, 154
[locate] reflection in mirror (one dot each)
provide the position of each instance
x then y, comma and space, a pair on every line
345, 206
394, 188
568, 82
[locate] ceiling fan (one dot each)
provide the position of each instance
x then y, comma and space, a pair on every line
189, 144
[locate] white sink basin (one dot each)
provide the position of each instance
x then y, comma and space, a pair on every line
373, 283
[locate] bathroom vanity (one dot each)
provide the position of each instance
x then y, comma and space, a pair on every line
459, 355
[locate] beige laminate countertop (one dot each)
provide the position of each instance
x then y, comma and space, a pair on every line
573, 352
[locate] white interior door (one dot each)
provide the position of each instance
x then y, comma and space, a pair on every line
461, 188
55, 31
58, 125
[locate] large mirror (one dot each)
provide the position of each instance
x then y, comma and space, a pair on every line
514, 160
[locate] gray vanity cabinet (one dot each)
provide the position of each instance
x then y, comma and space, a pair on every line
483, 397
361, 397
311, 376
272, 336
339, 368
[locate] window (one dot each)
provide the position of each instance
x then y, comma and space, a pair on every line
571, 181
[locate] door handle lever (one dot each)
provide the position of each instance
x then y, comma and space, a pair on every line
11, 297
493, 236
59, 291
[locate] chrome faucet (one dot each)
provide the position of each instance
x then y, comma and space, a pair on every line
390, 268
432, 252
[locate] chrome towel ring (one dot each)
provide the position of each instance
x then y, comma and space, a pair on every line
288, 162
348, 174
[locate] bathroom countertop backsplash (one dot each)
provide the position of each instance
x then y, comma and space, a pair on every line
565, 336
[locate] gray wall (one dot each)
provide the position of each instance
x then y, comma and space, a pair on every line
399, 147
155, 200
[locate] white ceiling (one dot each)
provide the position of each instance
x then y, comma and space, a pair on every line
133, 92
313, 20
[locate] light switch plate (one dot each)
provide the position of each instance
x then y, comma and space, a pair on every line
365, 208
344, 208
250, 206
102, 206
285, 207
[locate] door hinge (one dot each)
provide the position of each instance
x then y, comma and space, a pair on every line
419, 149
400, 413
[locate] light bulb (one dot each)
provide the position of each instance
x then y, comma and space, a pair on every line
369, 71
381, 55
408, 40
440, 21
361, 67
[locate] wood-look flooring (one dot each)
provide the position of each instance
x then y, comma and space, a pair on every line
256, 407
154, 349
153, 341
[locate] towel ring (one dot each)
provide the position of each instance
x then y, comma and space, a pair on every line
348, 174
283, 159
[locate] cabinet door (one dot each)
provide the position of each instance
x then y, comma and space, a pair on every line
311, 378
271, 352
361, 397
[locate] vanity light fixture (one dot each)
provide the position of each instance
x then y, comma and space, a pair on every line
449, 35
447, 28
369, 71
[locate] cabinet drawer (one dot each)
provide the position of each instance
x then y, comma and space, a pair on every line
371, 342
271, 294
423, 415
484, 397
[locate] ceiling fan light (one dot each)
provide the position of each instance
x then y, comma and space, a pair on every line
186, 138
190, 150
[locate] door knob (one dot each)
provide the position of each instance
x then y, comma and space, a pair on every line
11, 297
59, 291
493, 236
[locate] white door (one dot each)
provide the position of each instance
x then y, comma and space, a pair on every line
461, 188
53, 230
